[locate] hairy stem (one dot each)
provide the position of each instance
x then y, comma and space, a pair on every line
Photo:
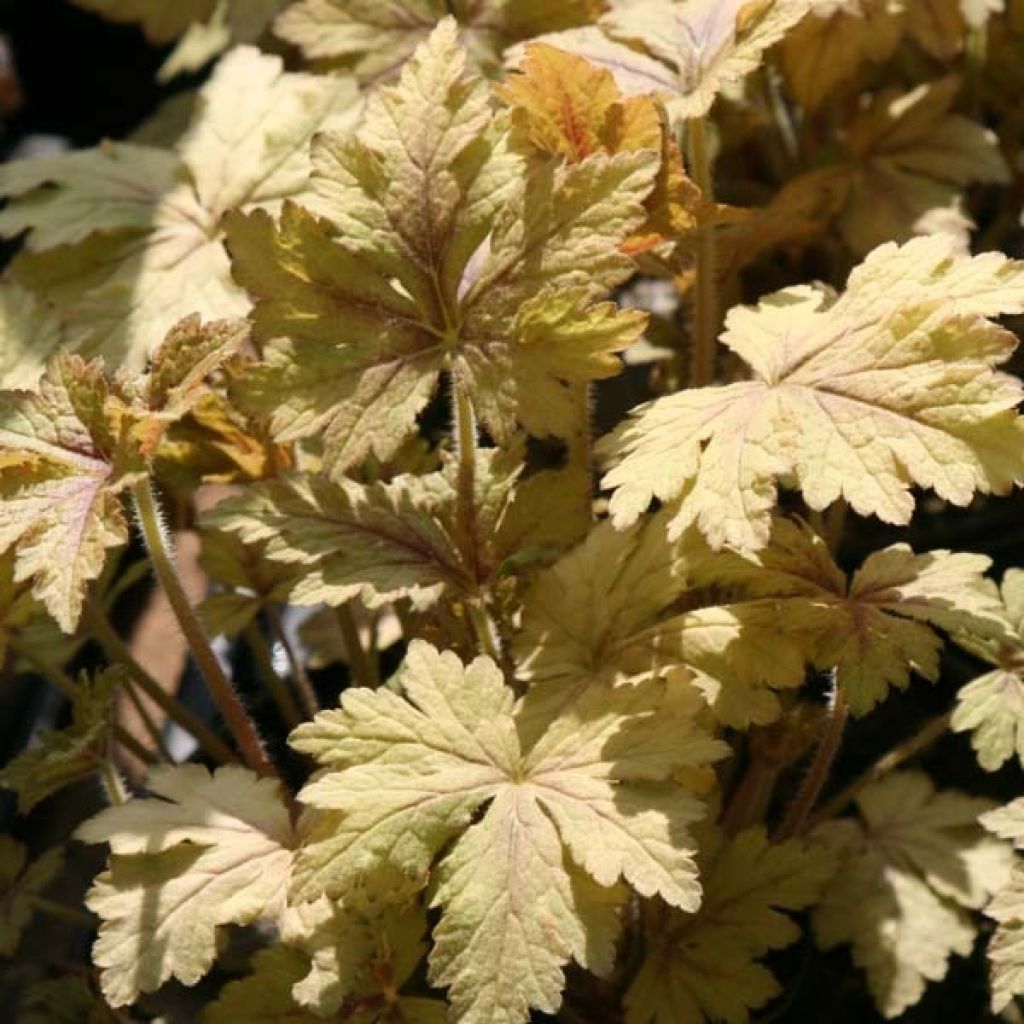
68, 688
117, 652
148, 723
932, 730
751, 797
113, 785
705, 312
364, 668
298, 670
810, 789
231, 708
282, 696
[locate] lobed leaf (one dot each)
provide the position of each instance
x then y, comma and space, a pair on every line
894, 384
207, 850
909, 868
406, 775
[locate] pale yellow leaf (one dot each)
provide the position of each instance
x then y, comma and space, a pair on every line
894, 384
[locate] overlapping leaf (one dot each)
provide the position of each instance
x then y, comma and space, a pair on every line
1006, 948
60, 757
362, 952
408, 537
592, 799
62, 464
376, 39
876, 627
705, 966
29, 335
893, 384
573, 109
685, 51
126, 239
611, 610
439, 253
910, 867
20, 882
909, 160
209, 850
991, 707
68, 450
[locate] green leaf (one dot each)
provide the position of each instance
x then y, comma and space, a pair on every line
20, 883
706, 966
594, 795
407, 537
438, 253
60, 757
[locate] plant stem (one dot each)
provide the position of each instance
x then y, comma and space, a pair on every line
231, 708
751, 797
466, 440
65, 913
68, 688
363, 668
148, 723
112, 783
279, 691
485, 630
932, 730
117, 652
298, 670
705, 313
581, 448
810, 789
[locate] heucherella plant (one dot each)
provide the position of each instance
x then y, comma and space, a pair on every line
559, 520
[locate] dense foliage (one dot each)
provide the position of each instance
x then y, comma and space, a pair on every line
576, 658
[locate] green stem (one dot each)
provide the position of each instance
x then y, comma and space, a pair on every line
485, 630
224, 697
364, 669
117, 652
705, 313
279, 691
298, 670
112, 783
68, 688
814, 781
931, 731
65, 913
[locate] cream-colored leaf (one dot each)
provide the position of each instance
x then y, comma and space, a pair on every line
909, 866
205, 851
879, 626
686, 51
894, 384
604, 613
376, 39
29, 334
706, 966
1006, 948
61, 466
407, 774
126, 240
